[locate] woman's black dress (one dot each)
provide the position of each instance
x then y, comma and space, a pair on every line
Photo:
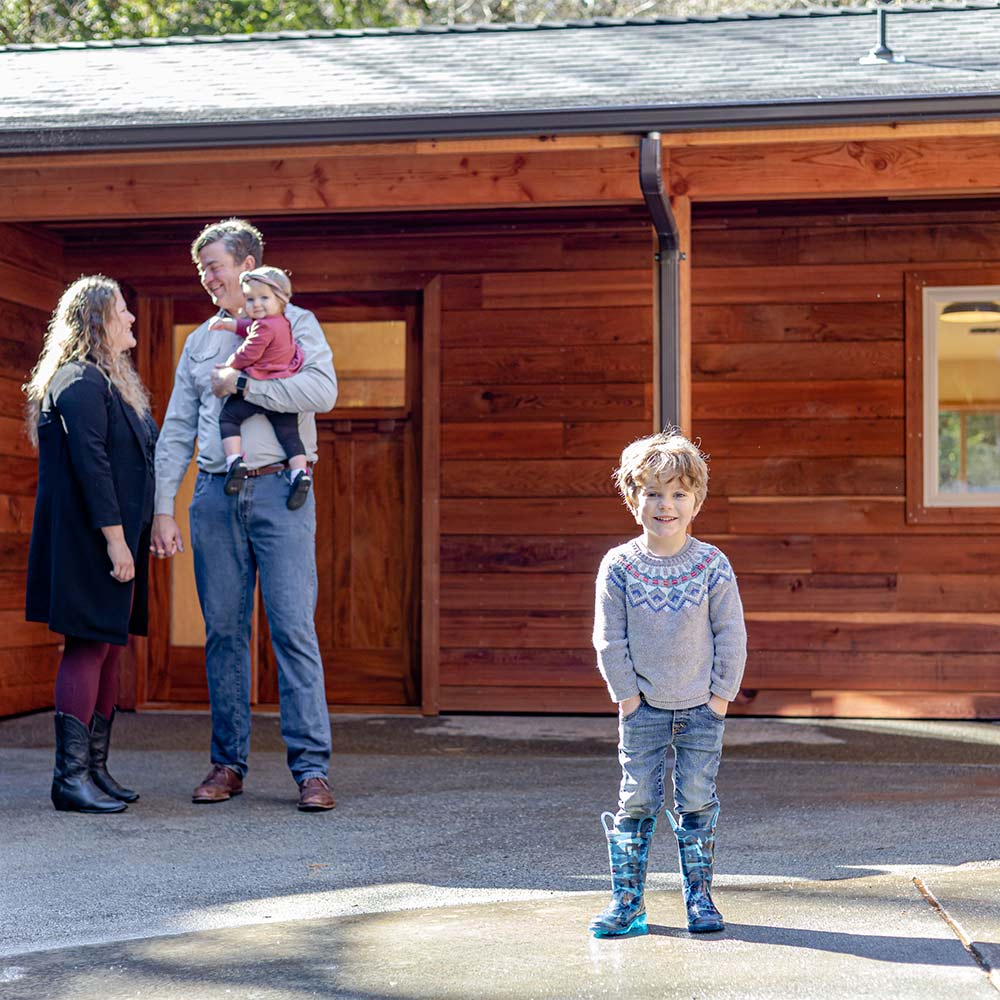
95, 469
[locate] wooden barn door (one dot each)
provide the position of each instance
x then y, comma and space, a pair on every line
367, 516
367, 510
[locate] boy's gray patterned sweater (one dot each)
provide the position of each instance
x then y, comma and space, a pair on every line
669, 627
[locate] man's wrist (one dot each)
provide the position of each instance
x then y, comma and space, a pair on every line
241, 384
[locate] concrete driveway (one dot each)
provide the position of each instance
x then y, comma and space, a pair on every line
855, 859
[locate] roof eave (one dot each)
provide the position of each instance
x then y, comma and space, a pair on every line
498, 124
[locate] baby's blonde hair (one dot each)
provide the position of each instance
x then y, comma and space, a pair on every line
664, 456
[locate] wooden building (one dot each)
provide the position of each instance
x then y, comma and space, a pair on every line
505, 317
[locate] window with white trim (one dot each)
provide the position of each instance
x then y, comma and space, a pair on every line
961, 396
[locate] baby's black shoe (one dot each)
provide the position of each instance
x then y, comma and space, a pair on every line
301, 485
235, 478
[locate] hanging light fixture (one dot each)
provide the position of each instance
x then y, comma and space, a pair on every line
970, 312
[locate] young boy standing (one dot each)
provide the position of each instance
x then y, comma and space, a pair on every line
671, 646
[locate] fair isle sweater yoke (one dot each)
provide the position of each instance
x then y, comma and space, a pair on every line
669, 627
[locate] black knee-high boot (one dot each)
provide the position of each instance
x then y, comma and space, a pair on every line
100, 740
73, 790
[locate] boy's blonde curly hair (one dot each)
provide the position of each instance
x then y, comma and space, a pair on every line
667, 455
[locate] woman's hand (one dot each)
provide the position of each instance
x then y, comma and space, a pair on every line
629, 705
122, 564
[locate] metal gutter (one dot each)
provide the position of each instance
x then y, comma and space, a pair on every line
641, 119
668, 258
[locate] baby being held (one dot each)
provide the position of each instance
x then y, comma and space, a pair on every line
268, 351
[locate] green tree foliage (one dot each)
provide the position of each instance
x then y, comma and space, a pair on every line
84, 20
23, 21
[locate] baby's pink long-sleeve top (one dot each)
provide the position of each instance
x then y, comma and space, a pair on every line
268, 349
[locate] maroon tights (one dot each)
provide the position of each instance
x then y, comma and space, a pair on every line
88, 678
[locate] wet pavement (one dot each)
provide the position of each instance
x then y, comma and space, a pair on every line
465, 857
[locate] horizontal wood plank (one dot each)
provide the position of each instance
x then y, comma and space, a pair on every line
817, 322
567, 477
510, 328
547, 365
14, 550
819, 591
841, 704
14, 441
764, 554
878, 242
528, 667
797, 362
29, 288
873, 632
553, 439
15, 632
806, 400
908, 553
862, 670
525, 553
571, 700
517, 629
778, 476
576, 516
27, 677
520, 591
448, 250
801, 438
16, 513
866, 283
612, 402
12, 399
816, 515
931, 166
12, 589
549, 290
325, 182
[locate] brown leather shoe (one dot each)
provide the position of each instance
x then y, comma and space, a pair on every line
220, 784
315, 796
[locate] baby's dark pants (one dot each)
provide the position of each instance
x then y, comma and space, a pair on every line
286, 425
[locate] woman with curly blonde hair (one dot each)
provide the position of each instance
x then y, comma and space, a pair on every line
88, 415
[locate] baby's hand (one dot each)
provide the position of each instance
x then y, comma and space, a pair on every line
223, 323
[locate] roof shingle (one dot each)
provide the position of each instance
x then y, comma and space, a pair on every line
63, 96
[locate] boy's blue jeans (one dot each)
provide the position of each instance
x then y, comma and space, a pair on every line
234, 539
645, 736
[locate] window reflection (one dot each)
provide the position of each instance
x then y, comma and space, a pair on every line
370, 359
968, 394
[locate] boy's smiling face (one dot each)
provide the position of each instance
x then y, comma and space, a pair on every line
664, 510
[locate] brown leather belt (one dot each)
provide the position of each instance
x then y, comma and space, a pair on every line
264, 470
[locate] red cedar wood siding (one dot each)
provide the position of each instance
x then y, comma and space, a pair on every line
546, 346
28, 651
798, 395
544, 378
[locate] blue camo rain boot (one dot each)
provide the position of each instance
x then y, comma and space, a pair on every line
628, 853
696, 848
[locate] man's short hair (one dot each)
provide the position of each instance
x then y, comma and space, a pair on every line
240, 238
664, 456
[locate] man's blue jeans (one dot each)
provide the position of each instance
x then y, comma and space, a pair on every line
234, 539
645, 736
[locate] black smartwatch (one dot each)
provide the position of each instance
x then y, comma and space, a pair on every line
241, 383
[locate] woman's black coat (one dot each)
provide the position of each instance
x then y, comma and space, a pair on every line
95, 469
